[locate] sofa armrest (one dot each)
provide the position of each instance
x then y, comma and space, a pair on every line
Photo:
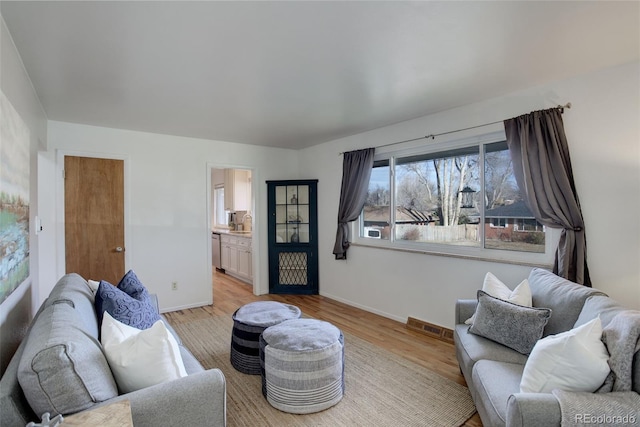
533, 409
154, 301
195, 400
465, 309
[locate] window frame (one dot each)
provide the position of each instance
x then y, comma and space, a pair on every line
389, 154
218, 207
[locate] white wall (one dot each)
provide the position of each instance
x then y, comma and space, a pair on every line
16, 311
603, 130
166, 177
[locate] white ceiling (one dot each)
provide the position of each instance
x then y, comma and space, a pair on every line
294, 74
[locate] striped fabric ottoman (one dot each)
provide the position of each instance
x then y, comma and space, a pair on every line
302, 365
248, 323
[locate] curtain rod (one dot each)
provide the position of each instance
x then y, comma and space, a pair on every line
433, 136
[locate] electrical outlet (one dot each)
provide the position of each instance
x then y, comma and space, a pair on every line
174, 286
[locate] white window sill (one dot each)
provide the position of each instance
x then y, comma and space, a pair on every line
480, 257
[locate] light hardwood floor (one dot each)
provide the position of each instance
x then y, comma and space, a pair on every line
433, 354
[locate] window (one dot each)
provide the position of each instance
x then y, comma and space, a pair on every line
527, 224
455, 197
376, 215
428, 197
497, 222
220, 217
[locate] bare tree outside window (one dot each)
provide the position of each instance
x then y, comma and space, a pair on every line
500, 183
429, 186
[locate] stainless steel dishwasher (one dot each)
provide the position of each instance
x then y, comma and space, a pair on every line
215, 250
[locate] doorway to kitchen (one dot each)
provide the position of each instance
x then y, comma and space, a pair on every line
230, 206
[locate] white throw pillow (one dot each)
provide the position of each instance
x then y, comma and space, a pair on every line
140, 358
574, 360
93, 285
521, 295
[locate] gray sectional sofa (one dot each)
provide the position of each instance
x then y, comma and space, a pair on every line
63, 342
493, 372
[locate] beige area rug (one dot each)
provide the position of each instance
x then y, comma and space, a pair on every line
381, 389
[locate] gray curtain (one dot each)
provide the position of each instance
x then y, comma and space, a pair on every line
542, 167
356, 171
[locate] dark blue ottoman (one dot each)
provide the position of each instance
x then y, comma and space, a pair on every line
248, 323
303, 365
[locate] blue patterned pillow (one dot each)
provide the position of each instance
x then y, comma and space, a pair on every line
132, 286
124, 308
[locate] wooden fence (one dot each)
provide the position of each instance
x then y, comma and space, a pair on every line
430, 233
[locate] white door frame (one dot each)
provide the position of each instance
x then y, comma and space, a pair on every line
255, 211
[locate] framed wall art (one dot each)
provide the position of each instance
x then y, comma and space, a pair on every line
14, 199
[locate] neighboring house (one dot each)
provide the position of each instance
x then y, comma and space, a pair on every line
376, 223
510, 222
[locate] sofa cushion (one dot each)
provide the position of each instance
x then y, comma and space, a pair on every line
63, 369
471, 348
509, 324
191, 364
636, 372
141, 358
479, 348
496, 381
73, 289
599, 306
14, 408
574, 360
170, 328
563, 297
124, 308
520, 295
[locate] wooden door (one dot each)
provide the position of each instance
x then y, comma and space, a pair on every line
94, 217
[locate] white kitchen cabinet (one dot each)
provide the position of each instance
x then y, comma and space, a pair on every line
237, 190
236, 257
244, 260
224, 256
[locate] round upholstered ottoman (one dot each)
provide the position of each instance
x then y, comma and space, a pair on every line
302, 365
248, 323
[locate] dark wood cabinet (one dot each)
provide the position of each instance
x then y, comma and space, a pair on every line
293, 236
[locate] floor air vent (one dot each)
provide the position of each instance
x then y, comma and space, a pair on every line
430, 329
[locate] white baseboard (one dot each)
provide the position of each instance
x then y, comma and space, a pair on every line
333, 297
185, 307
366, 308
242, 279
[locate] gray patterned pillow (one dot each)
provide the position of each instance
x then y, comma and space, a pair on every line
509, 324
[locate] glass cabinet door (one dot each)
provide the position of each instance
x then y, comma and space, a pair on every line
292, 213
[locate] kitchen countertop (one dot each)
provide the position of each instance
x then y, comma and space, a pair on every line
246, 234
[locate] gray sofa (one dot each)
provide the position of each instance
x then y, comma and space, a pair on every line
493, 372
63, 341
